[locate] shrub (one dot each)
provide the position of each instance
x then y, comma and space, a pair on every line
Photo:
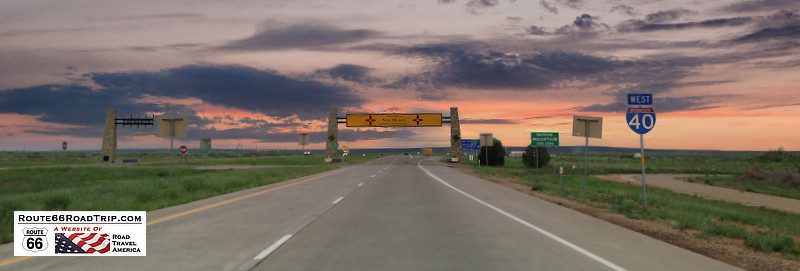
497, 154
529, 157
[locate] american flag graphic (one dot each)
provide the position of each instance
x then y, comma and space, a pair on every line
83, 243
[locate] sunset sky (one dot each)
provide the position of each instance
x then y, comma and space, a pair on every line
725, 75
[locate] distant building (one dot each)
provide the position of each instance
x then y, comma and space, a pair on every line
516, 153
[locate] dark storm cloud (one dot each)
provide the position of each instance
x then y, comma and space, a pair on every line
230, 86
446, 1
643, 26
789, 32
236, 86
668, 15
631, 11
497, 70
457, 68
583, 25
782, 25
488, 121
574, 4
535, 30
549, 6
664, 105
482, 3
71, 104
348, 72
309, 36
761, 5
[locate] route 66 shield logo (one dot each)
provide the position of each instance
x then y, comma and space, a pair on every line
34, 239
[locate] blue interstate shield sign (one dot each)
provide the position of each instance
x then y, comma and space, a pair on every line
641, 120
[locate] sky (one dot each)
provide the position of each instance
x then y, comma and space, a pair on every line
723, 74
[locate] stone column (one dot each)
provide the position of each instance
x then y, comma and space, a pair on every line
455, 135
333, 136
109, 150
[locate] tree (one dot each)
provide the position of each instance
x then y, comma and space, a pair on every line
497, 154
529, 156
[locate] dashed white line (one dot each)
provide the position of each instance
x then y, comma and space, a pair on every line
529, 225
273, 247
373, 176
338, 200
359, 185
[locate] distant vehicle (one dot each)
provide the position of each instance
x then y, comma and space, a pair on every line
405, 154
307, 153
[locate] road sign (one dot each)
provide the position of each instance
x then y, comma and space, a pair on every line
641, 119
544, 139
64, 145
303, 139
175, 124
580, 124
183, 149
345, 148
487, 140
640, 99
205, 143
394, 120
335, 145
470, 144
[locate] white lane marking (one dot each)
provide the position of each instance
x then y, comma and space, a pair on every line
395, 159
529, 225
410, 156
359, 185
338, 200
273, 247
373, 176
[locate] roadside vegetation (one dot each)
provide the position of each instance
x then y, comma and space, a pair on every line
760, 229
110, 188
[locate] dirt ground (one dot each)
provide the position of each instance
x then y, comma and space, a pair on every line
730, 251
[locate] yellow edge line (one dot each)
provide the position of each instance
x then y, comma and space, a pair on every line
212, 206
15, 260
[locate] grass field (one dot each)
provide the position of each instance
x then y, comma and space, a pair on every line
758, 228
133, 188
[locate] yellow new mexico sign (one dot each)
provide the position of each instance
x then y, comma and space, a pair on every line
392, 120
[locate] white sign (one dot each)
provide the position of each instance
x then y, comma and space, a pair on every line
80, 233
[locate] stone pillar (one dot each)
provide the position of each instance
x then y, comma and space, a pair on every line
333, 136
109, 150
455, 135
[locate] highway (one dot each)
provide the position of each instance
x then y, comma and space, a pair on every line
394, 213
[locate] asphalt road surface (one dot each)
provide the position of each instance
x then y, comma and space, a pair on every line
395, 213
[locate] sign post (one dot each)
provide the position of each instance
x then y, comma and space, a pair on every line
641, 119
303, 137
64, 148
172, 126
486, 141
587, 127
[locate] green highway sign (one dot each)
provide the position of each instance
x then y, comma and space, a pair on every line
544, 139
335, 145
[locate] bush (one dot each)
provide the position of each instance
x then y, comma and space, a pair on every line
529, 157
497, 154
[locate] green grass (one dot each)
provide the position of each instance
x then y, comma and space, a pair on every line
133, 188
761, 229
